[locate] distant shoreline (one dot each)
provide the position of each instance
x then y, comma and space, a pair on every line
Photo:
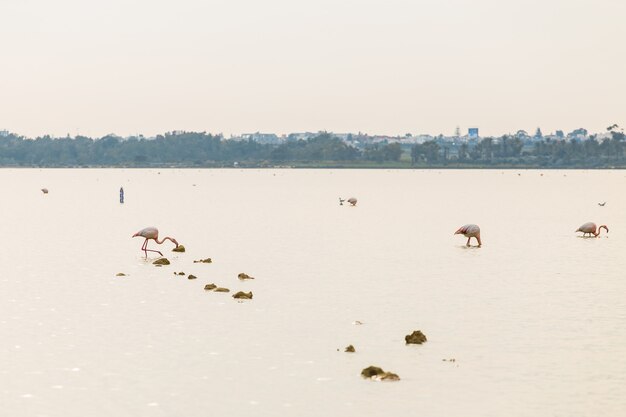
331, 166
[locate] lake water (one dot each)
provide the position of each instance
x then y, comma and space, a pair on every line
535, 319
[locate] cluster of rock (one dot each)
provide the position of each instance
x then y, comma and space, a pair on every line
240, 295
376, 373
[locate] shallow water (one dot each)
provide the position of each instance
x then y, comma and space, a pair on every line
535, 319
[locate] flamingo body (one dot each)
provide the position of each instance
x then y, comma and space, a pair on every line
591, 228
152, 233
470, 231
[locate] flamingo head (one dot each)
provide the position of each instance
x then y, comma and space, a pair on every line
135, 235
605, 228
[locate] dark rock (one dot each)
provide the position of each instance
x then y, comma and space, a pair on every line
387, 376
221, 289
350, 348
377, 374
203, 261
161, 261
243, 276
210, 287
190, 276
179, 273
243, 295
120, 274
179, 248
371, 371
417, 337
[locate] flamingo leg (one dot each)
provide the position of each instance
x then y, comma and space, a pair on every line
468, 241
145, 249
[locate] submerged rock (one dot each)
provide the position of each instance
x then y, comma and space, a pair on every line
221, 289
179, 273
161, 261
203, 261
190, 276
179, 248
377, 374
243, 295
417, 338
243, 276
120, 274
387, 376
350, 348
210, 287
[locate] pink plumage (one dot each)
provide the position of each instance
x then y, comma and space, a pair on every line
152, 233
470, 231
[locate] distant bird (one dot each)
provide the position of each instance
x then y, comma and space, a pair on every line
352, 201
44, 190
152, 233
341, 200
602, 204
470, 231
590, 228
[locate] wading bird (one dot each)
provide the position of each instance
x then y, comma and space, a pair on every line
152, 233
44, 190
352, 201
602, 204
591, 228
341, 200
470, 231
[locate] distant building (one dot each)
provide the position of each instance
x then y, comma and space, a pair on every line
265, 138
472, 132
4, 133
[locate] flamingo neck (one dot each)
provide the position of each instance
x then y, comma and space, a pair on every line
166, 238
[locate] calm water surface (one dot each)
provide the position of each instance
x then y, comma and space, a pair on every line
536, 318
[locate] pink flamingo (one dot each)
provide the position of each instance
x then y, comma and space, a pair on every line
590, 227
152, 233
470, 231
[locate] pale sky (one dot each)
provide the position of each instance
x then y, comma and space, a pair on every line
381, 67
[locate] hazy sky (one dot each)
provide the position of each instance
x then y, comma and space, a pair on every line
234, 66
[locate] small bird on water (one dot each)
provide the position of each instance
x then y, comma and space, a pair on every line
470, 231
152, 233
44, 190
602, 204
352, 201
341, 200
590, 228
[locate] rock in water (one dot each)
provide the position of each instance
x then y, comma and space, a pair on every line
371, 371
210, 287
387, 376
243, 295
203, 261
221, 289
120, 274
190, 276
377, 374
350, 348
243, 276
161, 261
179, 248
417, 337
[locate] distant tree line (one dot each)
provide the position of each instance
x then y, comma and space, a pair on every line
202, 149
